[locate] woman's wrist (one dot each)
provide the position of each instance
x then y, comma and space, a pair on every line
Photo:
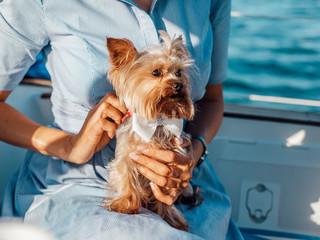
204, 151
198, 148
52, 142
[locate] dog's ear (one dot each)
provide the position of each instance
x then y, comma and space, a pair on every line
121, 51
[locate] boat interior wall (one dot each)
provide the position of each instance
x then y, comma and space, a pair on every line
271, 171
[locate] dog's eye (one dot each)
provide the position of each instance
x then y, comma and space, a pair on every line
178, 73
157, 73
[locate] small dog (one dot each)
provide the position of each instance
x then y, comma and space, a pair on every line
154, 85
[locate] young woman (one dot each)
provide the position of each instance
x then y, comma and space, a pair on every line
64, 175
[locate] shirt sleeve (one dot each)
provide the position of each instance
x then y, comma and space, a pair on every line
220, 22
22, 36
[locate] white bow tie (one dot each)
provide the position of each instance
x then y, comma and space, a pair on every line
146, 128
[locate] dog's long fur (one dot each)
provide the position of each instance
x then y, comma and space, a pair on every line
149, 96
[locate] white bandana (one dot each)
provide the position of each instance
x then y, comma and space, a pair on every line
146, 128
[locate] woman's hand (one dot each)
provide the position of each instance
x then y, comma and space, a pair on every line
165, 168
98, 129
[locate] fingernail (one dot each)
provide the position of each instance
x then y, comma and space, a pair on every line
134, 156
111, 135
152, 186
185, 184
143, 149
179, 140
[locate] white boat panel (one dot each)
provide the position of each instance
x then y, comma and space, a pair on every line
283, 158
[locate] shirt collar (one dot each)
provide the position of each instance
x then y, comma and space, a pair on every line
134, 4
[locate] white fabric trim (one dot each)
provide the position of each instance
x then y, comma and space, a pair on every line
146, 128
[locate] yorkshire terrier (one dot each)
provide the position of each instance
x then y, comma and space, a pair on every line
154, 85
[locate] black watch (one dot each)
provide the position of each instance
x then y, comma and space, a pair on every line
205, 149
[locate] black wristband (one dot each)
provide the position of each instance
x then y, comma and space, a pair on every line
205, 149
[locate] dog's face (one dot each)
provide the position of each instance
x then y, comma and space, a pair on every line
154, 82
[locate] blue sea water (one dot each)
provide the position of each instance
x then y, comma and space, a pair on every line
274, 50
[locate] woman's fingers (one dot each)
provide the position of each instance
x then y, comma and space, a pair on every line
107, 110
162, 180
184, 142
166, 156
112, 99
109, 113
158, 167
97, 130
167, 199
110, 107
108, 127
174, 172
164, 167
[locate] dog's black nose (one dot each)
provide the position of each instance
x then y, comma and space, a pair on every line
178, 87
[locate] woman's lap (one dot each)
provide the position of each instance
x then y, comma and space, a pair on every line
73, 210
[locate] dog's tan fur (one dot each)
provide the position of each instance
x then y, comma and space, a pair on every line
150, 97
